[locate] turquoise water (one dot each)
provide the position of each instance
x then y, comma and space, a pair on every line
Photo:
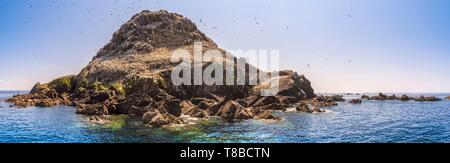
371, 121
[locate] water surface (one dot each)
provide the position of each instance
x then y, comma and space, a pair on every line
371, 121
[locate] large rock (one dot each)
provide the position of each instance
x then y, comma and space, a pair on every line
45, 97
233, 110
203, 103
303, 107
263, 114
382, 97
92, 109
173, 107
63, 84
306, 87
38, 87
188, 108
365, 97
244, 114
154, 118
335, 98
267, 100
135, 101
101, 96
326, 100
291, 84
143, 46
198, 113
47, 102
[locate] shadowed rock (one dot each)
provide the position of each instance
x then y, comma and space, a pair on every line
423, 98
404, 98
365, 97
355, 101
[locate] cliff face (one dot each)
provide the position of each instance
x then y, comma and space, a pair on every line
143, 46
148, 31
131, 75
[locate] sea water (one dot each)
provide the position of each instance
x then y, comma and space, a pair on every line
369, 122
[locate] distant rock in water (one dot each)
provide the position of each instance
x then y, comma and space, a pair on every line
365, 97
404, 98
132, 75
303, 107
49, 94
431, 98
327, 100
355, 101
382, 97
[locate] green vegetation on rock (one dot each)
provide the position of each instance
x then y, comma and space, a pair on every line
63, 84
99, 86
39, 87
118, 88
82, 82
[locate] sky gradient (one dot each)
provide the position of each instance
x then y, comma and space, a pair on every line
340, 45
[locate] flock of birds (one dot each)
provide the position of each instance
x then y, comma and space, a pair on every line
137, 5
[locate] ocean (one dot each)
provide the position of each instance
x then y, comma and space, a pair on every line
369, 122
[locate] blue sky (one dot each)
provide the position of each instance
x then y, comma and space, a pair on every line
349, 45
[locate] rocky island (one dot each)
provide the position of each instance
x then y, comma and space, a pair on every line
131, 75
382, 97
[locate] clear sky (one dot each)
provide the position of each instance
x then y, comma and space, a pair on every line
341, 45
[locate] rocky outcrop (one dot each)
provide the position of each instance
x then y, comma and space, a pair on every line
382, 97
430, 98
303, 107
97, 120
317, 102
327, 100
404, 98
46, 95
154, 118
132, 75
355, 101
334, 98
365, 97
233, 110
92, 109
